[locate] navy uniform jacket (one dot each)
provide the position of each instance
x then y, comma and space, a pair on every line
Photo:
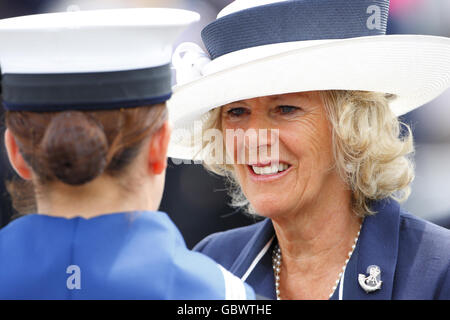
133, 255
412, 254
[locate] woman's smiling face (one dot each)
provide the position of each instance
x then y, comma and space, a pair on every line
279, 182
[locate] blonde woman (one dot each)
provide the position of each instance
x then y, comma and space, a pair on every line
328, 84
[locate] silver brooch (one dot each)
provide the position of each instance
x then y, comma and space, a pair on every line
372, 282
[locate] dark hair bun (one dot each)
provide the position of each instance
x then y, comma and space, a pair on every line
75, 148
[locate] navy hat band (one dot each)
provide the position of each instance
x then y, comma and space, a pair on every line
86, 91
297, 20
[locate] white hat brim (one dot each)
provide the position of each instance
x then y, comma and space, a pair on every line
415, 68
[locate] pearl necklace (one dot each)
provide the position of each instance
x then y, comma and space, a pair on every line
276, 263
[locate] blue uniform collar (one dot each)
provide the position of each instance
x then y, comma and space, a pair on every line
377, 245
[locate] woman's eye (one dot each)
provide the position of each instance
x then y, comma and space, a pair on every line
287, 109
236, 112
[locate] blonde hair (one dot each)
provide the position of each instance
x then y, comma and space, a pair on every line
373, 155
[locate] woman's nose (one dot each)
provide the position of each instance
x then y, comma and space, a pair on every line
262, 140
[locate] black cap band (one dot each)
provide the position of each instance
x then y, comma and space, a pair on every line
86, 91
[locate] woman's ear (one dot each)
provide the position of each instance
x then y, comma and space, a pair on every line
15, 157
159, 144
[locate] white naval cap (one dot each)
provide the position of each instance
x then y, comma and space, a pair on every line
100, 59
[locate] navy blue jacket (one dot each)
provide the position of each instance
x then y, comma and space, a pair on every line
413, 256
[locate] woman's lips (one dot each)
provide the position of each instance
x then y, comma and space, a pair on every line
268, 172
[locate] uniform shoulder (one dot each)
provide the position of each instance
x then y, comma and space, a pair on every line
20, 229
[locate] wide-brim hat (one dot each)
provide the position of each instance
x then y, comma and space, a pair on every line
261, 48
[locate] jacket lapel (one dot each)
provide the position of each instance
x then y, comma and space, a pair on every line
377, 245
250, 251
258, 273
